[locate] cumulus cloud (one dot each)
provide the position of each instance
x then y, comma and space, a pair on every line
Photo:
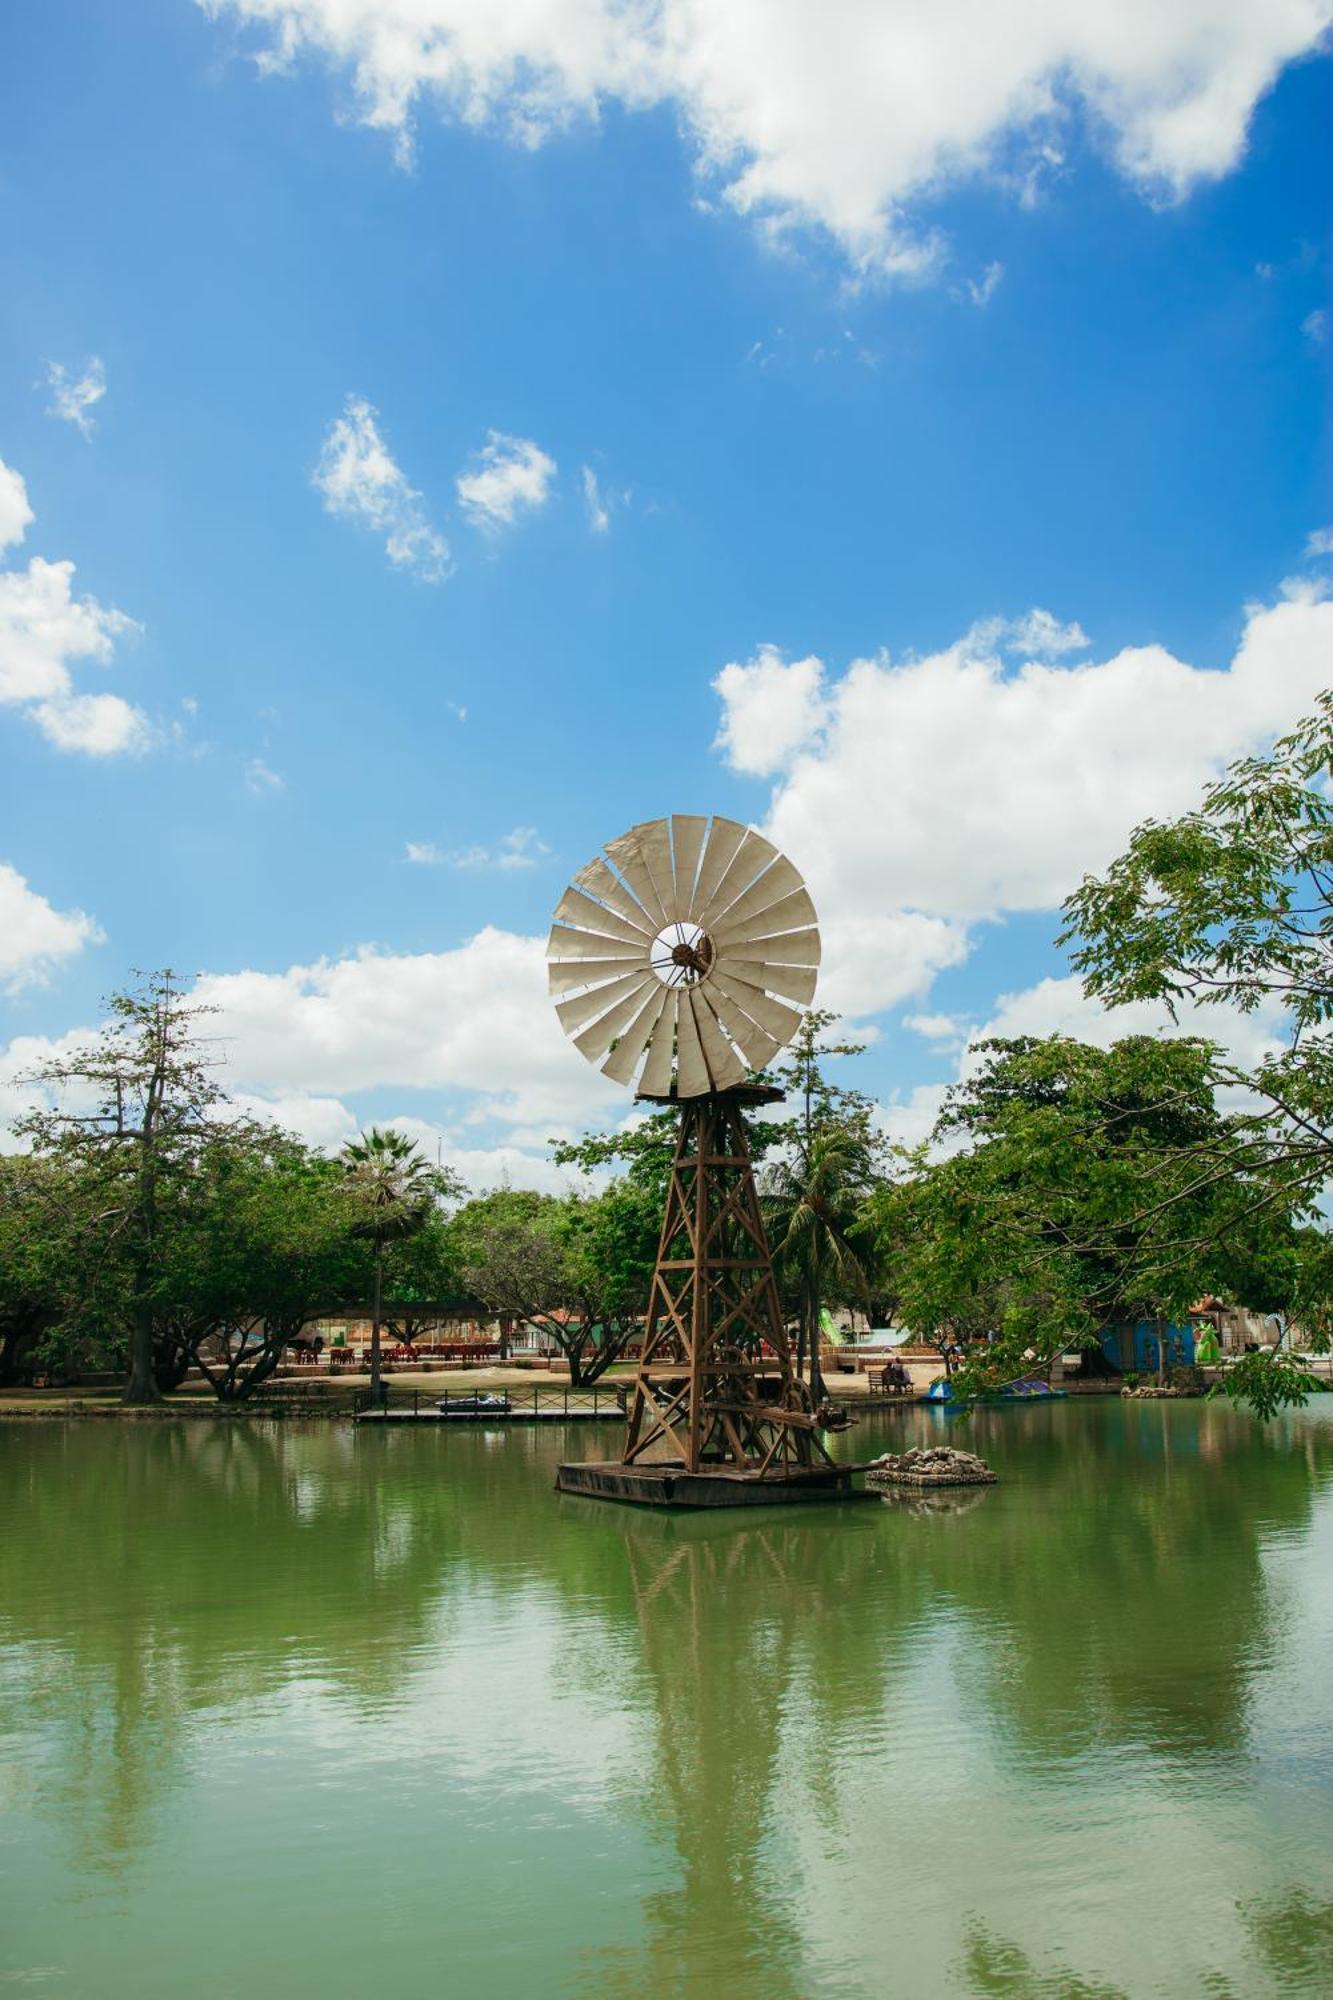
845, 116
424, 853
1320, 543
983, 289
35, 937
510, 476
15, 513
360, 481
1315, 326
43, 628
73, 396
923, 797
476, 1020
770, 708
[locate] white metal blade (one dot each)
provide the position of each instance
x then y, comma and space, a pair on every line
576, 908
586, 1006
725, 1067
775, 883
725, 836
687, 844
787, 915
600, 881
755, 1043
587, 972
566, 943
596, 1040
750, 859
620, 1064
654, 837
692, 1078
782, 948
656, 1078
628, 857
780, 1020
797, 982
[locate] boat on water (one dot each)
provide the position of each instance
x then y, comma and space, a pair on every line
478, 1404
1024, 1389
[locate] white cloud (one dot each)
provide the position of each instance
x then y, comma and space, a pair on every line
924, 797
15, 513
34, 937
935, 1027
476, 1020
511, 474
74, 396
599, 514
360, 481
770, 707
1041, 636
43, 627
1315, 325
1320, 543
982, 290
262, 780
424, 853
522, 847
845, 115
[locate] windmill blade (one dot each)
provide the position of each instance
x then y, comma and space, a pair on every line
596, 1040
692, 1078
725, 1067
628, 857
775, 883
779, 1019
620, 1064
566, 943
587, 972
687, 844
724, 838
784, 948
576, 908
656, 1078
797, 982
787, 915
750, 859
755, 1043
586, 1006
599, 881
654, 837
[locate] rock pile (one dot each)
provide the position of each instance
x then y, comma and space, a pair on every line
939, 1466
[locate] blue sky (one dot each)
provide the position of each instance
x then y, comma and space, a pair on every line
1059, 341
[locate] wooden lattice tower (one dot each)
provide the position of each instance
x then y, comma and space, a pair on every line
715, 1388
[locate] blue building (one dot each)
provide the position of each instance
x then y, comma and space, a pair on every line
1135, 1347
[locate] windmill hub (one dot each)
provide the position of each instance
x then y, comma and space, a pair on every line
682, 954
673, 960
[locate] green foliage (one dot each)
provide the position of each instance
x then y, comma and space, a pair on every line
1076, 1201
813, 1197
578, 1268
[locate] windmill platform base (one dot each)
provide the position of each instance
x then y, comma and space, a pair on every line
668, 1486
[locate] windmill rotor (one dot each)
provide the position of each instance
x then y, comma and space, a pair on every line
676, 955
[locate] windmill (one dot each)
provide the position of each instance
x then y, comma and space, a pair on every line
675, 958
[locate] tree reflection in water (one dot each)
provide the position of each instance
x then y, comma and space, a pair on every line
162, 1585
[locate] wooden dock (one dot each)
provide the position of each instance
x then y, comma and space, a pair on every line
525, 1406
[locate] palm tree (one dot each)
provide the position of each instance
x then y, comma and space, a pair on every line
813, 1198
394, 1188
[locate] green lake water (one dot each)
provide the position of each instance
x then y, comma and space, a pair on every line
293, 1710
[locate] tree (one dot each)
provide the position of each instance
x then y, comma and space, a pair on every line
1233, 905
34, 1224
813, 1197
153, 1105
264, 1245
578, 1268
392, 1189
1072, 1201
